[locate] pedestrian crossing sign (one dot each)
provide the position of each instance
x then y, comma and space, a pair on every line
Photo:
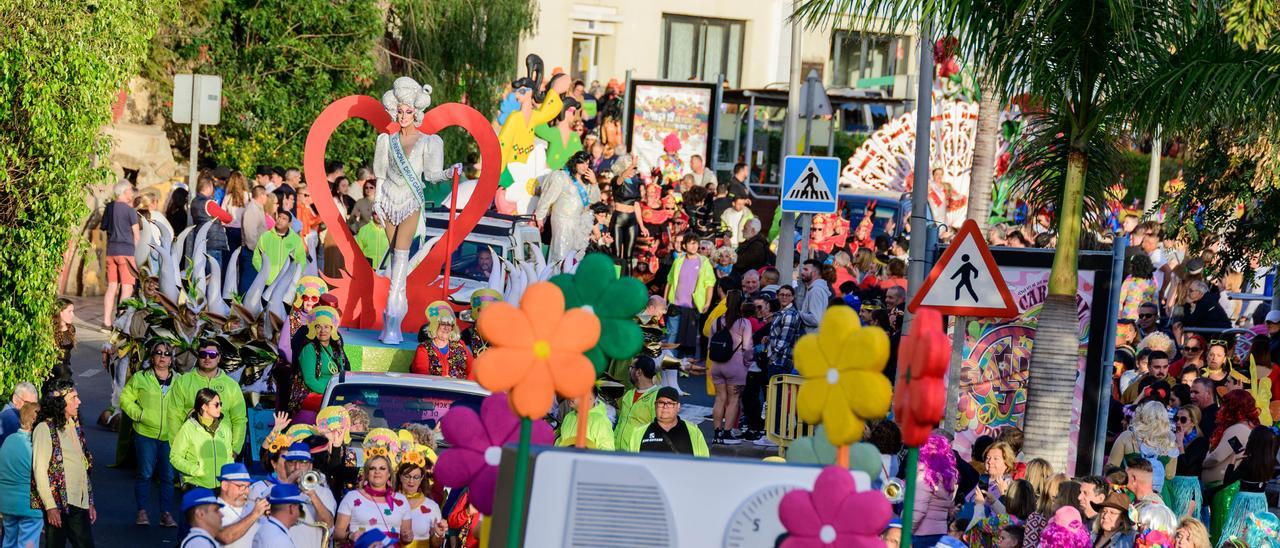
809, 184
966, 281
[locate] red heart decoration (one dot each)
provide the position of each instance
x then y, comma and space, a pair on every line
361, 293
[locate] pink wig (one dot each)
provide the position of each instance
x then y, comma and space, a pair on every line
939, 463
671, 143
1066, 530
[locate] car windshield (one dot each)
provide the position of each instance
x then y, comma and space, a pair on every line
474, 261
394, 406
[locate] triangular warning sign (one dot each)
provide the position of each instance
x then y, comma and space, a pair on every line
810, 187
966, 281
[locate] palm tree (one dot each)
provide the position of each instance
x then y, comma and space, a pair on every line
984, 154
1095, 68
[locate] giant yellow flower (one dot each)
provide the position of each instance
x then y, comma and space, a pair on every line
843, 384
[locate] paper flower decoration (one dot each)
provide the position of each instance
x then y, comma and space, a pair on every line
834, 514
595, 287
923, 355
817, 449
843, 384
537, 350
475, 447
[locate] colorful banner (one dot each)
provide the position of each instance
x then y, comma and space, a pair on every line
664, 109
997, 355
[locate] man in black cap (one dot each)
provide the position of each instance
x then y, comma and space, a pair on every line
668, 433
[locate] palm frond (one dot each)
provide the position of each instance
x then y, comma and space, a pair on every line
1040, 164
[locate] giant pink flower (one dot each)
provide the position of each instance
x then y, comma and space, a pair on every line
475, 447
834, 514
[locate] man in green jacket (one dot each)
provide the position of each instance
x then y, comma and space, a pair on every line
278, 244
635, 408
668, 433
599, 429
208, 375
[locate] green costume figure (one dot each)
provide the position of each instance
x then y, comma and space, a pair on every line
321, 359
562, 140
599, 429
277, 244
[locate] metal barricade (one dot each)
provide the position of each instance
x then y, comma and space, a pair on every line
781, 423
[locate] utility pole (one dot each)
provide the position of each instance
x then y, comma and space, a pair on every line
787, 225
920, 181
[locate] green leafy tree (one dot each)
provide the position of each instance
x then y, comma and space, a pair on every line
62, 64
1231, 196
464, 50
281, 62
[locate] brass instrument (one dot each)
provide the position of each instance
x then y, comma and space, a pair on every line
894, 490
310, 481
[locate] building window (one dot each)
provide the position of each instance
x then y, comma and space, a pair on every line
701, 48
857, 56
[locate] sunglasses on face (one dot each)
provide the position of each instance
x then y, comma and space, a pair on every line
1146, 315
1184, 420
310, 298
1191, 348
208, 354
217, 404
163, 353
523, 91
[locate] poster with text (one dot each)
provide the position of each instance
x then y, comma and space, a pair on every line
660, 110
997, 355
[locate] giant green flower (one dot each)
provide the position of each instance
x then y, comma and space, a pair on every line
595, 286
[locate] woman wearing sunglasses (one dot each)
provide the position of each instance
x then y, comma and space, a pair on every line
203, 443
146, 400
1182, 494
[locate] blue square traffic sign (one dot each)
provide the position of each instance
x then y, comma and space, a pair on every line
809, 184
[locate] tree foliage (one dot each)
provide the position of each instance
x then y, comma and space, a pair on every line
464, 50
62, 64
1231, 196
281, 63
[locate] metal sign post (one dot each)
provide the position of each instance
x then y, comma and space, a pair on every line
197, 99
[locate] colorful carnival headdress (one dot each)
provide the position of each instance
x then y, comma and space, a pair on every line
324, 315
480, 298
299, 432
310, 288
277, 442
335, 419
437, 313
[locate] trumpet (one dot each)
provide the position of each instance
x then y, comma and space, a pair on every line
894, 490
309, 481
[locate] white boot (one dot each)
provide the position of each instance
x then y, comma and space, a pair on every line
671, 377
397, 302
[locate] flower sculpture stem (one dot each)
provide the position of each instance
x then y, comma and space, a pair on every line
515, 528
584, 417
909, 498
842, 457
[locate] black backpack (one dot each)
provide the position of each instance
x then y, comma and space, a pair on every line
721, 349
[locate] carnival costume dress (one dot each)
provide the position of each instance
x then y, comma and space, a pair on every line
408, 179
568, 201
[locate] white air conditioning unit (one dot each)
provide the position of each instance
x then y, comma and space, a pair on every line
590, 499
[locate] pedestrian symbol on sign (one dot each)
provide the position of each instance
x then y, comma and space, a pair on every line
810, 187
967, 273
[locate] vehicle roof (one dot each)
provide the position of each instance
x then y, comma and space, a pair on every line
491, 224
886, 196
370, 378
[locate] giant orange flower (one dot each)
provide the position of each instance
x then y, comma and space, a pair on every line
537, 350
923, 355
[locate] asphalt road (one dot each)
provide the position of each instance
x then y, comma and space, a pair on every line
112, 487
